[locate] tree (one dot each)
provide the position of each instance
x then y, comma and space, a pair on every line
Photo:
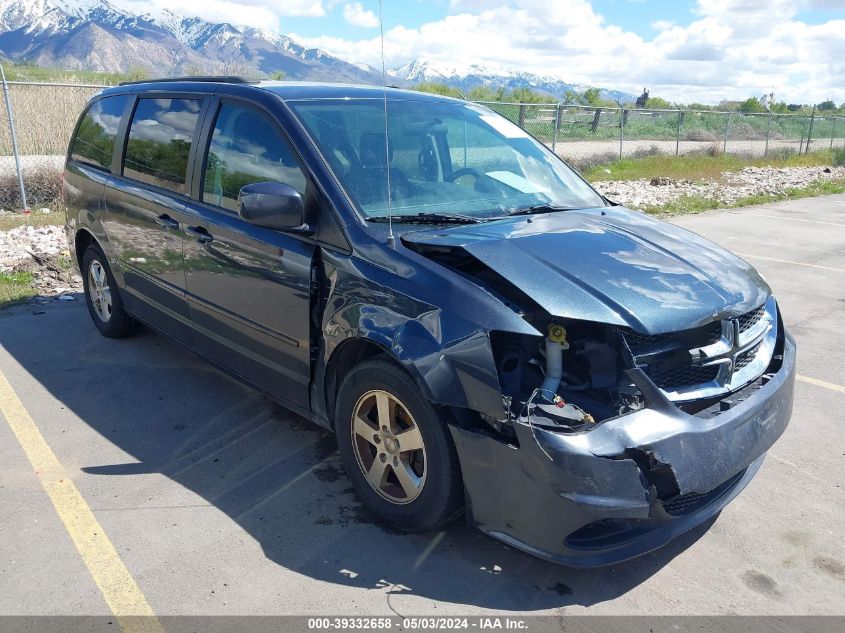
571, 97
752, 104
659, 103
827, 105
482, 93
277, 75
137, 73
526, 95
592, 96
439, 89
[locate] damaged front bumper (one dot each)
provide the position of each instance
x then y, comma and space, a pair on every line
629, 485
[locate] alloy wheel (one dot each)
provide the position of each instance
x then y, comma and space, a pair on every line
388, 447
99, 292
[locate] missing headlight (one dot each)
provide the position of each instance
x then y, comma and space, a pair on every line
569, 380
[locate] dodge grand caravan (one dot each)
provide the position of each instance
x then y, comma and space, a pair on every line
484, 332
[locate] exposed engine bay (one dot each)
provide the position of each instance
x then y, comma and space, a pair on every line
568, 381
582, 373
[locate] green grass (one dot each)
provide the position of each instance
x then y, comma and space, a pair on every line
700, 166
14, 220
698, 204
15, 287
23, 72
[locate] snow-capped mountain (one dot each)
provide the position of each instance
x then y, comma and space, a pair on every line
467, 77
98, 35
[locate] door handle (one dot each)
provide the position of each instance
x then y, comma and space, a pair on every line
202, 236
165, 221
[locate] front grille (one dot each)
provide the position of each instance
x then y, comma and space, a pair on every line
747, 356
668, 358
750, 319
698, 337
673, 377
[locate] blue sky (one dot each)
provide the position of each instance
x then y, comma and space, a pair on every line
685, 50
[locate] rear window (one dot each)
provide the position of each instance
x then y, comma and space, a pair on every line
159, 142
94, 140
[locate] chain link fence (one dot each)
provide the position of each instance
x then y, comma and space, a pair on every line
45, 114
44, 117
587, 135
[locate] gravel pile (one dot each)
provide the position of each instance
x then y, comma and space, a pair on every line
41, 250
751, 181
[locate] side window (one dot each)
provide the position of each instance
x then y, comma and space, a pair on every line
246, 148
94, 141
159, 142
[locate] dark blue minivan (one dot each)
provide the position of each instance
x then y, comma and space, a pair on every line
483, 331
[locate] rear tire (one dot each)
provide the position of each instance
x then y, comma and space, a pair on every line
396, 450
102, 295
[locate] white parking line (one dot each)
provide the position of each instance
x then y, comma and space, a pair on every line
785, 217
792, 263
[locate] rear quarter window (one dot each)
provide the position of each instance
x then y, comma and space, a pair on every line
159, 142
95, 136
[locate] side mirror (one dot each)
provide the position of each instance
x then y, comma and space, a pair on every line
274, 205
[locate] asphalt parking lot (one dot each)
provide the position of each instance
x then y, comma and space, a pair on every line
218, 502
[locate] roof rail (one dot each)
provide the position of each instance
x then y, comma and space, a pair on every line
223, 79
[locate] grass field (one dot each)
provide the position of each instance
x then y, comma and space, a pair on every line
24, 72
12, 221
702, 166
15, 287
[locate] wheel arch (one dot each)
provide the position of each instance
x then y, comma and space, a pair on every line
81, 241
350, 353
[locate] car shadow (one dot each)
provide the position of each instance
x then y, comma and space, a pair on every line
277, 475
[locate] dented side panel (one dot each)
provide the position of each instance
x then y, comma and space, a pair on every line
447, 353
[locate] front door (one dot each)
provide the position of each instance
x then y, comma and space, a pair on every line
249, 288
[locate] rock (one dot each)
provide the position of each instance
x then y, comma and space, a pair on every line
732, 186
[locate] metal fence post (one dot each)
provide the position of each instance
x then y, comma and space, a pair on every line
14, 139
557, 125
833, 131
678, 135
621, 130
810, 131
727, 129
521, 115
768, 131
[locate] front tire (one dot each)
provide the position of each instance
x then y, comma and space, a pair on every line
396, 450
102, 295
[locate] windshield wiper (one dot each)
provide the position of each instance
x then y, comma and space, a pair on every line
428, 218
539, 208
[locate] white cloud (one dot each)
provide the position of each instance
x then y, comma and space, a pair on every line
662, 25
356, 15
730, 49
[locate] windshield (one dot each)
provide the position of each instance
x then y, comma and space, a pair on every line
445, 158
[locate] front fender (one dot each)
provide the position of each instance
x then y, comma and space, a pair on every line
449, 357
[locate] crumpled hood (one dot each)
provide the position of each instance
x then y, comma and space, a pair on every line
612, 266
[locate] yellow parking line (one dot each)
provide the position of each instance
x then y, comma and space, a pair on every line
786, 261
821, 383
119, 589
